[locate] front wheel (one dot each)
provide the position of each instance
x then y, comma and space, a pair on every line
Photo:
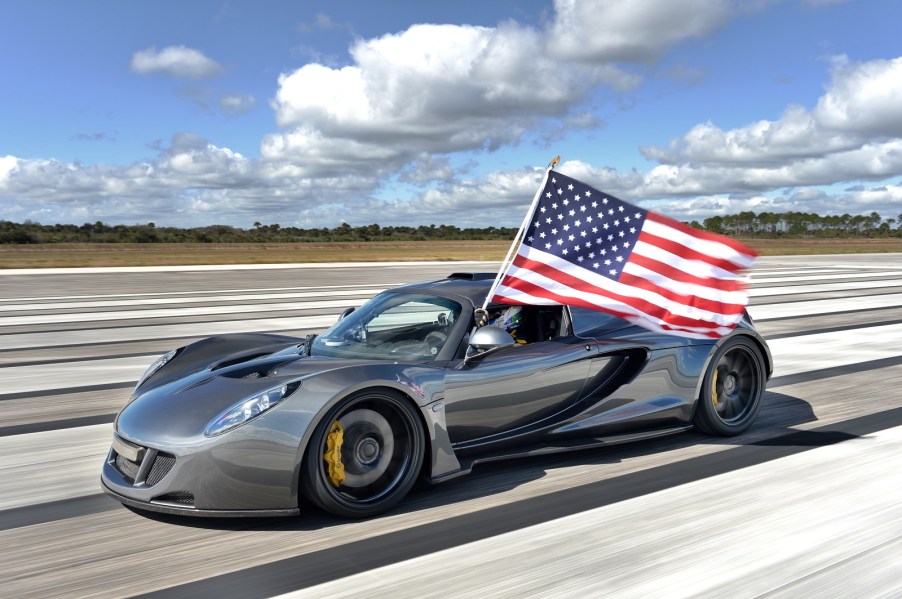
732, 389
364, 456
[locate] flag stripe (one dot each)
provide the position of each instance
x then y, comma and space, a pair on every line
744, 256
670, 265
644, 300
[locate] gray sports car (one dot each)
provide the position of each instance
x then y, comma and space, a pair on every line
405, 387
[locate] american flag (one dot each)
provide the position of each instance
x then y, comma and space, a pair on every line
582, 247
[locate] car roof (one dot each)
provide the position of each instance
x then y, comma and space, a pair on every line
470, 285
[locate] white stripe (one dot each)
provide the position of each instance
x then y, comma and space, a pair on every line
696, 268
851, 275
151, 332
219, 267
702, 246
803, 289
826, 306
173, 312
158, 301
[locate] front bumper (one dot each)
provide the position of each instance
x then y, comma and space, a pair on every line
232, 475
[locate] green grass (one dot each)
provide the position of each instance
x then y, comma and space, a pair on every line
158, 254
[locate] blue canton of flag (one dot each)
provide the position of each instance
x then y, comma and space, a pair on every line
585, 227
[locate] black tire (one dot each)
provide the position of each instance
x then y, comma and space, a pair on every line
382, 453
732, 389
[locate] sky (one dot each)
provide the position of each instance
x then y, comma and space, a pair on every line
312, 114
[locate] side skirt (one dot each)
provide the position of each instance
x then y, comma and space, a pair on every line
466, 465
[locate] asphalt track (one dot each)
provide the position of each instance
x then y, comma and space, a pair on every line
807, 503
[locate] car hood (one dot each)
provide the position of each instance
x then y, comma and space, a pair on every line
197, 386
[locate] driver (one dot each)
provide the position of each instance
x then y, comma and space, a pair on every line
508, 319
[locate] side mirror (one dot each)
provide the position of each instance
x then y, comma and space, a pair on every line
345, 312
487, 340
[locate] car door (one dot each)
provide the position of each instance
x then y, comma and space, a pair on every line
514, 387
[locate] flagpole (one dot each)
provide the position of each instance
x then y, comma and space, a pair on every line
507, 259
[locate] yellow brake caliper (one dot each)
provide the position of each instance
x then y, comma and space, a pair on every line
333, 455
713, 389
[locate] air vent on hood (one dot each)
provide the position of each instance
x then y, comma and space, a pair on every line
239, 360
472, 276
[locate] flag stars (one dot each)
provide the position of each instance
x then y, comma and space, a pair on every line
576, 197
638, 215
580, 259
560, 242
613, 272
548, 220
616, 223
607, 262
620, 208
595, 204
588, 193
548, 195
567, 227
619, 258
588, 218
610, 211
542, 234
560, 217
542, 209
554, 231
614, 248
591, 255
633, 230
610, 238
547, 246
582, 233
596, 265
564, 251
572, 213
582, 208
566, 202
571, 237
560, 191
621, 234
578, 223
570, 187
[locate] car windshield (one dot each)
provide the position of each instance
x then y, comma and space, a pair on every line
392, 326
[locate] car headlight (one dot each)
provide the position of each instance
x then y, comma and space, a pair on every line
248, 409
157, 364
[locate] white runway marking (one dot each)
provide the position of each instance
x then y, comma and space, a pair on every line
162, 331
804, 353
825, 306
175, 312
160, 301
41, 467
821, 277
827, 287
745, 533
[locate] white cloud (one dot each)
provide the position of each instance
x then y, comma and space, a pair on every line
612, 31
175, 61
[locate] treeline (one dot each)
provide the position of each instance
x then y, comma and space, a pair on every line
802, 224
744, 224
32, 232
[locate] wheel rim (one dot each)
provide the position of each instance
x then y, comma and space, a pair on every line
735, 385
378, 448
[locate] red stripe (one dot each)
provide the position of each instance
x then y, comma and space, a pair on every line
736, 245
564, 278
687, 253
671, 272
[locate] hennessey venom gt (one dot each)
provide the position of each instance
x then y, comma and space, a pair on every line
406, 387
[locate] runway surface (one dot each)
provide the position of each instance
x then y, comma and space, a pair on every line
808, 503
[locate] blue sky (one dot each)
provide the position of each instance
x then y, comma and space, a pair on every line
312, 114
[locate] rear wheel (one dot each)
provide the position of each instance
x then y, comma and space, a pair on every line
732, 390
364, 456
